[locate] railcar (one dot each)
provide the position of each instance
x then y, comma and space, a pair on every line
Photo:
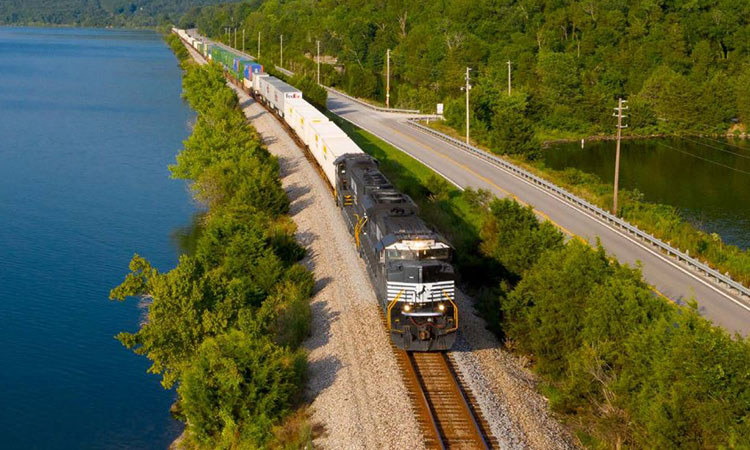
409, 264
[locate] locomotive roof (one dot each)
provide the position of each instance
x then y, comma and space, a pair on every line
394, 213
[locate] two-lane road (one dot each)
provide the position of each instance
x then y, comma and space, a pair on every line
465, 170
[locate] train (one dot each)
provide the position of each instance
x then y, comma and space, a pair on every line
408, 262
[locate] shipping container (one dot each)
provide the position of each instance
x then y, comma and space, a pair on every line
276, 92
301, 116
328, 144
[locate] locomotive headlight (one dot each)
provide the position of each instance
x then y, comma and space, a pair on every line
441, 307
407, 307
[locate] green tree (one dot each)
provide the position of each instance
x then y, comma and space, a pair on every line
512, 235
512, 132
236, 388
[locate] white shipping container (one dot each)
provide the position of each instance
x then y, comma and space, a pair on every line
276, 92
329, 143
257, 82
299, 114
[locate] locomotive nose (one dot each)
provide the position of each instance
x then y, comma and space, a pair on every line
427, 272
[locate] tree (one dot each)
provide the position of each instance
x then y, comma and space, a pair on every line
512, 132
513, 235
237, 386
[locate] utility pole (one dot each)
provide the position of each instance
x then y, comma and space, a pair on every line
467, 89
258, 45
243, 40
388, 79
620, 108
318, 62
509, 64
235, 37
281, 59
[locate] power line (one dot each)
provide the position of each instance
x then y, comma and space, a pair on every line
715, 148
704, 159
726, 143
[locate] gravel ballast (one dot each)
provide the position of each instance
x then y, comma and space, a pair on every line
355, 388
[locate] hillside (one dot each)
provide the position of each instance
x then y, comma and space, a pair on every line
684, 65
95, 12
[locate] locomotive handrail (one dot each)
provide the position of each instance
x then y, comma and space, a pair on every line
613, 221
391, 305
455, 312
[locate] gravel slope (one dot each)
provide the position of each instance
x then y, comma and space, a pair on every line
505, 389
355, 387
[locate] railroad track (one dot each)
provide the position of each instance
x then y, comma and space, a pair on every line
447, 414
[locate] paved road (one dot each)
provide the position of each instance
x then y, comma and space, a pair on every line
465, 170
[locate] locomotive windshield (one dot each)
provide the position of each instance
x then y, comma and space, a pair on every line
426, 254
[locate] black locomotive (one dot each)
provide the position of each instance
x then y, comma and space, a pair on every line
408, 263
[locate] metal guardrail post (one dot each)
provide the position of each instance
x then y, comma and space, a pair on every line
688, 260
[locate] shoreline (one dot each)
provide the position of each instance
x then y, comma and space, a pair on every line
607, 137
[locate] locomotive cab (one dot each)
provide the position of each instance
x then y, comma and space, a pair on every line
422, 313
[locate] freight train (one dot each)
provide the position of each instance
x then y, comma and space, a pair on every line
409, 264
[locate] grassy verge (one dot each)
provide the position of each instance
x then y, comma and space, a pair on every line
662, 221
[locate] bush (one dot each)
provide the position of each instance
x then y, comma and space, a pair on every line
236, 388
636, 371
512, 235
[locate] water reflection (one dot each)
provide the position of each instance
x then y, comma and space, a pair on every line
706, 179
185, 239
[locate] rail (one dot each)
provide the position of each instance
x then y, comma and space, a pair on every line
444, 412
612, 220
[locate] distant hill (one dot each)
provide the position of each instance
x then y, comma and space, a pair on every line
95, 12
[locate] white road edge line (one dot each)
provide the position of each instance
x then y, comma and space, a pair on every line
610, 227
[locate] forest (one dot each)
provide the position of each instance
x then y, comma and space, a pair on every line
684, 65
225, 326
98, 13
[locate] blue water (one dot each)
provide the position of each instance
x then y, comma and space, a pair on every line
89, 120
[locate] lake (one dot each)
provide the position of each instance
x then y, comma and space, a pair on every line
89, 121
707, 179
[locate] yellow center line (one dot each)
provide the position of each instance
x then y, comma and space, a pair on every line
508, 193
490, 182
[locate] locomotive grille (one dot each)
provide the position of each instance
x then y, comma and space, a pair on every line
421, 293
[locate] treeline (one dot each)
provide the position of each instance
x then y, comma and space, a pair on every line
629, 369
225, 325
684, 65
117, 13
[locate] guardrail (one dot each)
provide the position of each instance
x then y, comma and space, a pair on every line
286, 72
692, 263
370, 106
